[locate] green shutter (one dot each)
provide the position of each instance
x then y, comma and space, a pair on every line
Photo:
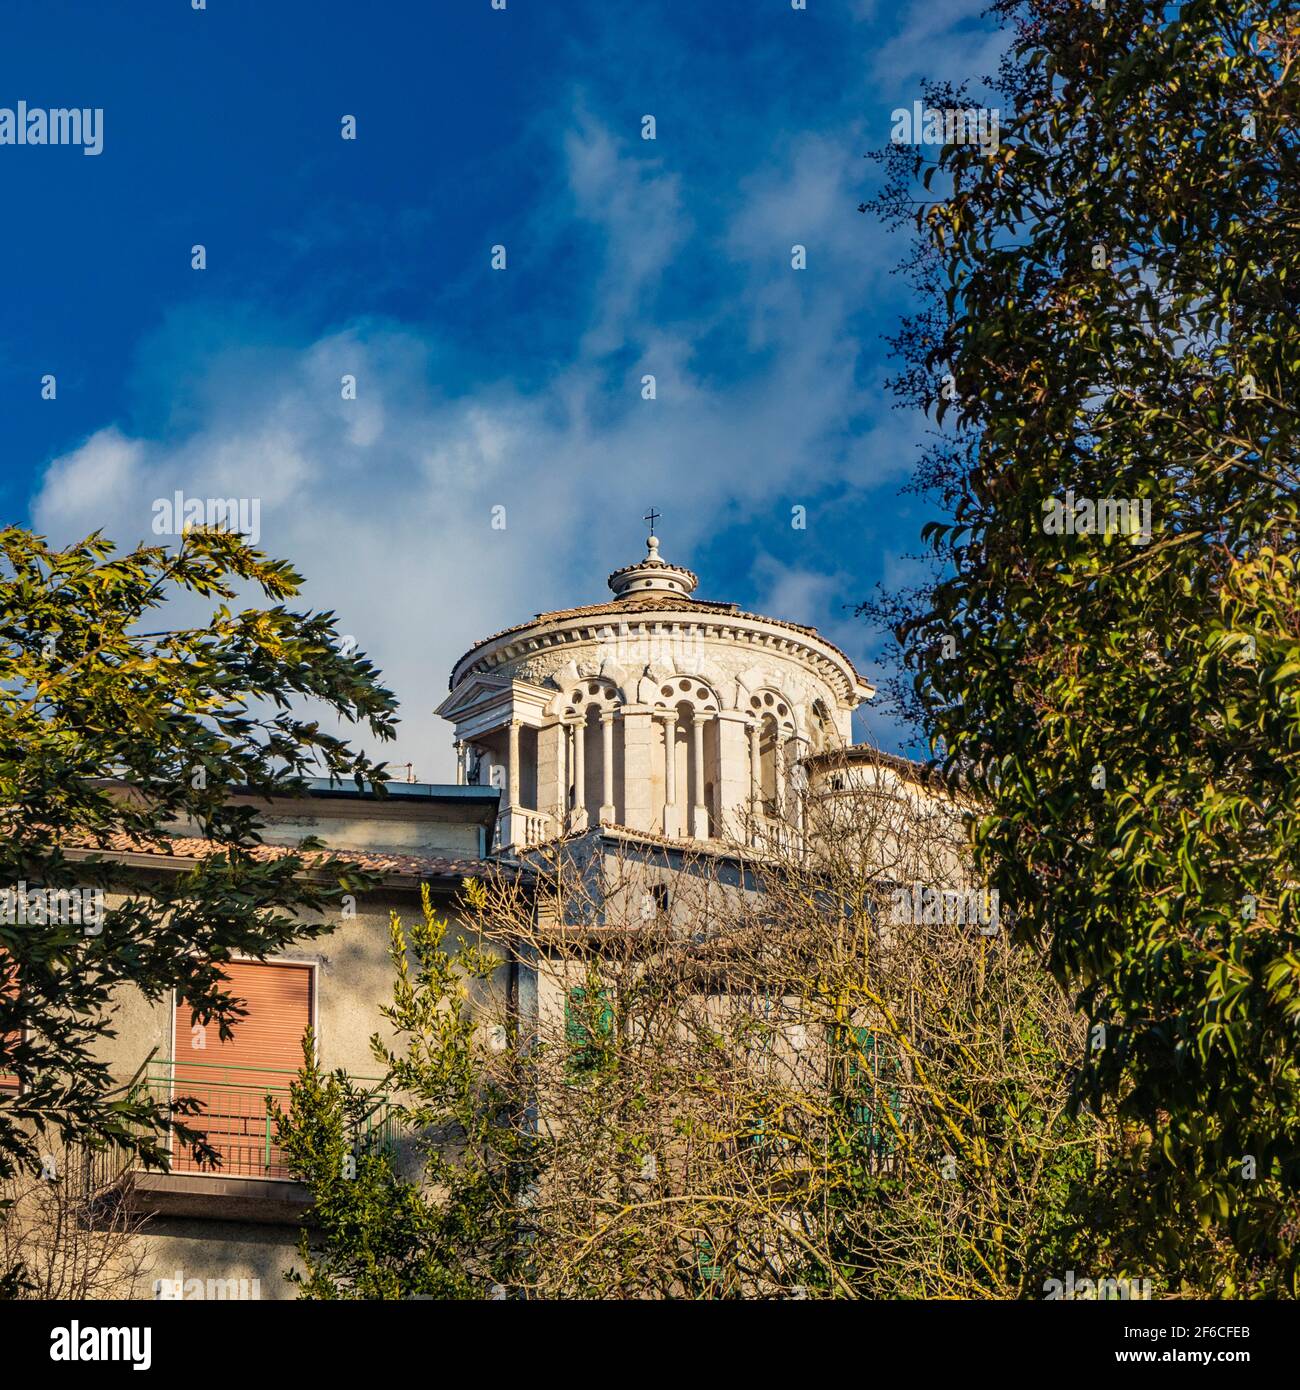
588, 1025
709, 1267
869, 1065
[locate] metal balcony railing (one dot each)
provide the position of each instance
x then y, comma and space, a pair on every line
237, 1117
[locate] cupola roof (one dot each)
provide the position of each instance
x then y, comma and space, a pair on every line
652, 575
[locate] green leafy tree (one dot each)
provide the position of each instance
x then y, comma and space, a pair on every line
431, 1202
1111, 652
111, 727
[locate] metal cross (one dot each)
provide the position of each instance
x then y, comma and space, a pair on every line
652, 516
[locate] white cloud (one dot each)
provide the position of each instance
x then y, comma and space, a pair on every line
623, 188
794, 594
384, 503
943, 40
96, 474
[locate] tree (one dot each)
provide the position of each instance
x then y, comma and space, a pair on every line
64, 1239
1111, 653
795, 1081
416, 1182
112, 733
774, 1083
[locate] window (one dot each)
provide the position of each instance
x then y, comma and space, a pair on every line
755, 1141
767, 765
588, 1026
659, 892
240, 1082
706, 1260
873, 1082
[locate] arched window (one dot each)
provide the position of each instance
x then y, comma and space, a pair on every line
776, 728
591, 698
693, 703
823, 731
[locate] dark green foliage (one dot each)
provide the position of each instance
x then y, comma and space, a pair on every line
94, 685
1115, 297
376, 1234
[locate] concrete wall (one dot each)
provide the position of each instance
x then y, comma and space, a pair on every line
353, 980
255, 1256
399, 826
391, 836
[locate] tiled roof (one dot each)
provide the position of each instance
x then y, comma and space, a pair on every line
687, 844
931, 773
654, 603
193, 847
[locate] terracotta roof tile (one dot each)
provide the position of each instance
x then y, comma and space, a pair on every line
193, 847
652, 603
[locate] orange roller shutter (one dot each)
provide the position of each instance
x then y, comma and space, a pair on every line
233, 1079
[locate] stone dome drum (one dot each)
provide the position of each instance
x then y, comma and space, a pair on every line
655, 711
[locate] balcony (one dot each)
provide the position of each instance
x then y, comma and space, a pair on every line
520, 827
237, 1117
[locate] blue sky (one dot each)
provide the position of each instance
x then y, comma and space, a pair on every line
475, 387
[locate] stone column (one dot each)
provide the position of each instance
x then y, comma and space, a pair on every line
637, 723
580, 773
699, 811
734, 778
756, 765
671, 826
460, 762
607, 812
512, 767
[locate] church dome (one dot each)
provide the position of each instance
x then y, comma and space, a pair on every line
655, 710
651, 585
